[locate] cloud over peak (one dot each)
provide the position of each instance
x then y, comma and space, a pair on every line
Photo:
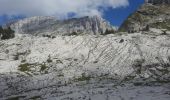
60, 8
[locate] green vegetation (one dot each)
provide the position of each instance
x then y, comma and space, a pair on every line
24, 67
108, 32
43, 67
161, 25
35, 98
7, 33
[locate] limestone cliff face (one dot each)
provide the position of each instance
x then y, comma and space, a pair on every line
148, 16
49, 25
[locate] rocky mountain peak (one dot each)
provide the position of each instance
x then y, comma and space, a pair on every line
154, 15
158, 1
40, 25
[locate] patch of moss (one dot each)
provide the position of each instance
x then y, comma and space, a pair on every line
24, 67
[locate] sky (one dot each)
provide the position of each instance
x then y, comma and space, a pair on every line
114, 11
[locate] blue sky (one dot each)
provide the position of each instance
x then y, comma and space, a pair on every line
115, 11
118, 15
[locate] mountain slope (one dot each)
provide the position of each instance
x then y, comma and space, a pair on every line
148, 16
52, 26
32, 66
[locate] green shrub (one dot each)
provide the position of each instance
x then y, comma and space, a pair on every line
24, 67
108, 32
43, 67
7, 33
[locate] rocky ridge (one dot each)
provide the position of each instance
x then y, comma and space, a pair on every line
40, 25
148, 16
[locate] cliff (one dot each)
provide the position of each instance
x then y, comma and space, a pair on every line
148, 16
39, 25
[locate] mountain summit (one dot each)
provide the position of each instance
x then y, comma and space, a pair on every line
40, 25
152, 14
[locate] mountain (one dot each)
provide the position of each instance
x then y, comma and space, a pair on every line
40, 25
152, 14
70, 66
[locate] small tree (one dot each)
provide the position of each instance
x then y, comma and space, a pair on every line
7, 33
1, 30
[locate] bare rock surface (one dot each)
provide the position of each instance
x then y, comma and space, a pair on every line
133, 66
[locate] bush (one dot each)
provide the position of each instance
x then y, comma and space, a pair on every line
43, 67
108, 32
24, 67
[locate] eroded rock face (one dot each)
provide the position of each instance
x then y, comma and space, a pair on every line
51, 26
146, 17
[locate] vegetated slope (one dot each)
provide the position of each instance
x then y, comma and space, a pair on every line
40, 25
148, 16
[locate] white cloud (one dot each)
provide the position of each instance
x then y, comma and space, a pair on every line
60, 8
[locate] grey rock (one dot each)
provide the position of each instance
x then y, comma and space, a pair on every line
146, 17
40, 25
